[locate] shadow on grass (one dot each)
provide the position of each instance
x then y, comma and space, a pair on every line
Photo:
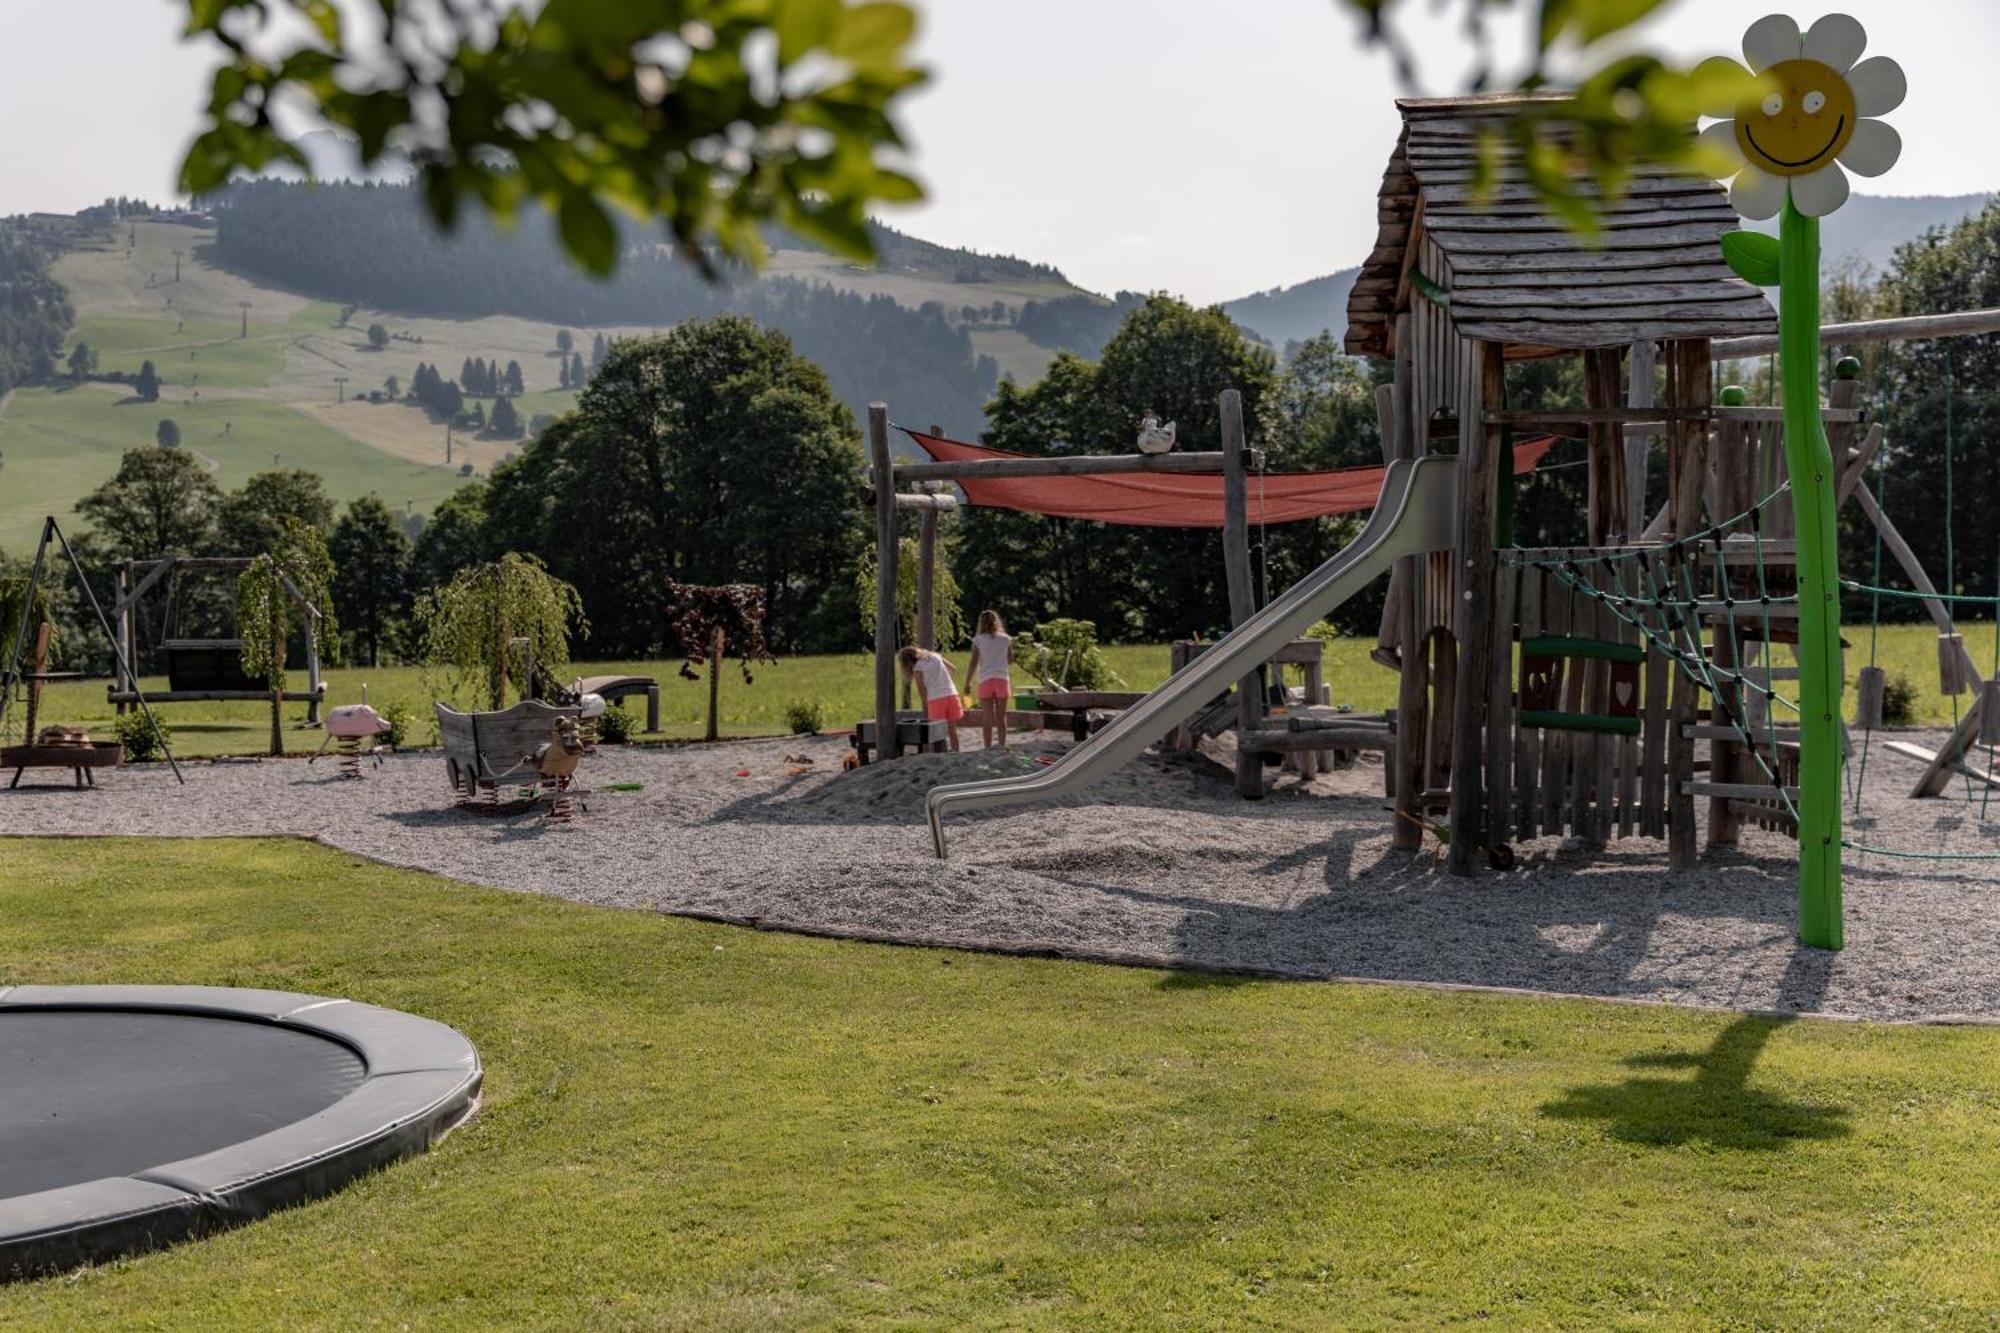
1717, 1106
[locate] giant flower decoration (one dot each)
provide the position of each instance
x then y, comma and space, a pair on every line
1810, 117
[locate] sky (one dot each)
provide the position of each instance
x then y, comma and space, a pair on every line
1207, 147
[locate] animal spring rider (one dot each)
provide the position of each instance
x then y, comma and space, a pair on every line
556, 762
346, 728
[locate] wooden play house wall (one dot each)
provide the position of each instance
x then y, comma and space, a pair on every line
1457, 286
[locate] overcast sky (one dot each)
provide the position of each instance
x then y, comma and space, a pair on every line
1209, 147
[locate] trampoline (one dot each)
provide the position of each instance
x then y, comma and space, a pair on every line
135, 1116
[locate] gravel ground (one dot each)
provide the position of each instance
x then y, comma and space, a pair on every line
1161, 864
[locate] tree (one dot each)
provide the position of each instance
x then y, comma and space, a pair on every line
82, 361
707, 624
597, 349
167, 434
470, 622
754, 113
564, 341
1168, 358
266, 614
562, 374
453, 539
505, 421
578, 377
513, 383
469, 376
371, 558
711, 454
146, 384
392, 386
1940, 403
160, 502
257, 517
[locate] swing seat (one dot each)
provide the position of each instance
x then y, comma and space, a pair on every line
207, 664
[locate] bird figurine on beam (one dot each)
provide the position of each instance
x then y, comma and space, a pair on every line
1153, 437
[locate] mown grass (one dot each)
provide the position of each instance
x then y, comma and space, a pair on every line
692, 1126
201, 353
843, 684
60, 444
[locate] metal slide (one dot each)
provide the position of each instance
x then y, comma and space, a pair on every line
1416, 513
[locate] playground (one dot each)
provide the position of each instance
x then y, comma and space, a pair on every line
1164, 865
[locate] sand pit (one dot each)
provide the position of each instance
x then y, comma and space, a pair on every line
1161, 864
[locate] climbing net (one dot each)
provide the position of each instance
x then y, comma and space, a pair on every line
1734, 577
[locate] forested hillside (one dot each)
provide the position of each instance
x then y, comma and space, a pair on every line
34, 310
373, 245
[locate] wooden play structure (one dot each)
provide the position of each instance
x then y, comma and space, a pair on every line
1626, 687
201, 668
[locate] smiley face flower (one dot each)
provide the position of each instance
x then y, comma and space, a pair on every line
1810, 117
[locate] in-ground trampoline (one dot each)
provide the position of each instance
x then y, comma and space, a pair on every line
135, 1116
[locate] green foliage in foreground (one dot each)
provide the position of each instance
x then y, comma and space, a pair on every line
689, 1125
843, 684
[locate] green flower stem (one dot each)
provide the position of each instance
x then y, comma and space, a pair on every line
1811, 462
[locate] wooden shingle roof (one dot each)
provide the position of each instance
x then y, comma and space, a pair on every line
1517, 276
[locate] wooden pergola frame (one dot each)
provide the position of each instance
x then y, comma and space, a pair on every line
137, 577
1234, 461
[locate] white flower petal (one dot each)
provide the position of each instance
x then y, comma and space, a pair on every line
1873, 149
1879, 86
1836, 40
1757, 195
1719, 142
1770, 39
1818, 193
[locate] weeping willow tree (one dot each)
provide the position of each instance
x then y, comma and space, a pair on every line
947, 610
472, 625
274, 595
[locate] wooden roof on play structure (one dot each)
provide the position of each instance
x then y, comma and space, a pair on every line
1516, 275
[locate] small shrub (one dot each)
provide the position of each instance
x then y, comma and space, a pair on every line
1063, 654
1323, 630
1899, 700
400, 717
615, 725
805, 717
136, 734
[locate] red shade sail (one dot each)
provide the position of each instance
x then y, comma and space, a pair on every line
1177, 500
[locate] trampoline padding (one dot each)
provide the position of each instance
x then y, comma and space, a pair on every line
135, 1116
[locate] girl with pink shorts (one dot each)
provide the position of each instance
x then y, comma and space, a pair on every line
935, 686
992, 656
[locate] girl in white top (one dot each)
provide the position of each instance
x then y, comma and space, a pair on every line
992, 655
935, 686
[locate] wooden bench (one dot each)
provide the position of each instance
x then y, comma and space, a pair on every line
79, 759
613, 688
485, 751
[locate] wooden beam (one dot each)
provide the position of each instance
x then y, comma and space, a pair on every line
942, 504
1638, 444
1242, 590
1482, 384
1069, 465
1910, 329
885, 582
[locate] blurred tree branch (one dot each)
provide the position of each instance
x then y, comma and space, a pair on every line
713, 116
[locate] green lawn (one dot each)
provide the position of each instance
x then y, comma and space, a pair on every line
59, 444
693, 1126
844, 685
201, 353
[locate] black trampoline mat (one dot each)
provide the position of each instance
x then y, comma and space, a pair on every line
90, 1093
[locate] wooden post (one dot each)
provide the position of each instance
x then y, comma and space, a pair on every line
1638, 452
714, 680
1482, 388
312, 663
127, 680
38, 663
1607, 506
927, 533
1242, 594
1869, 693
1405, 595
885, 581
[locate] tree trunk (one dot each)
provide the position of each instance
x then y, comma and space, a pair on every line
277, 695
714, 679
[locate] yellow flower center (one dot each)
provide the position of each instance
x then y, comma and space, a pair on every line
1802, 120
